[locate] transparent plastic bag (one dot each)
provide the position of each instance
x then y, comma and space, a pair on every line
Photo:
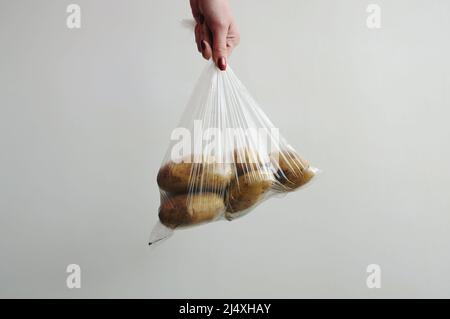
224, 159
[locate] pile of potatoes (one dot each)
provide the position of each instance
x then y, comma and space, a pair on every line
195, 193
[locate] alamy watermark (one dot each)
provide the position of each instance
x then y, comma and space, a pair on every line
374, 18
374, 278
219, 143
73, 280
73, 20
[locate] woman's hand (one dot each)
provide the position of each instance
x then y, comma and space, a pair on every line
216, 32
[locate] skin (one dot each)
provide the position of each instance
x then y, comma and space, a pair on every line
293, 171
216, 32
190, 209
248, 189
189, 177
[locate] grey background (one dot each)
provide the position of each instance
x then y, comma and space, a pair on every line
86, 115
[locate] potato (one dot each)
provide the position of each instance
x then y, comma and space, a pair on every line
246, 190
247, 160
190, 209
194, 177
291, 170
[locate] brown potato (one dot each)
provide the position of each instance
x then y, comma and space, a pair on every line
291, 170
192, 209
248, 189
247, 160
194, 177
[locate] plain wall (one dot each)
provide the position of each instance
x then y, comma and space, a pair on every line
86, 117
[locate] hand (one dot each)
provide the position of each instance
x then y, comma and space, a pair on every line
216, 33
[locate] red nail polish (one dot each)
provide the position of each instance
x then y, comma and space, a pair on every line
203, 45
222, 64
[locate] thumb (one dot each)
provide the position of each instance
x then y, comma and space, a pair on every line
220, 48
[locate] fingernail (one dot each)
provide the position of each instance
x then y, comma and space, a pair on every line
203, 45
222, 64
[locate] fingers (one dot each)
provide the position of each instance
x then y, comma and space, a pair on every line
220, 51
233, 37
206, 43
217, 44
195, 11
198, 36
216, 32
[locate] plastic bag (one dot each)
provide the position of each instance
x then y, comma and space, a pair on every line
225, 158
